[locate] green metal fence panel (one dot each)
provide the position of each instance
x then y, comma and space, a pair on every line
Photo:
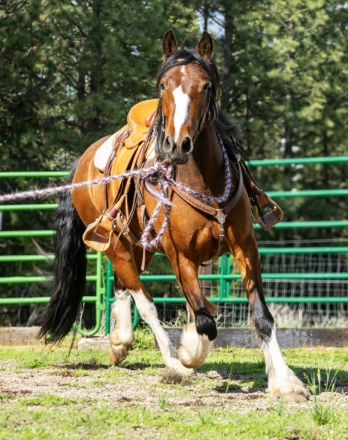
98, 278
103, 298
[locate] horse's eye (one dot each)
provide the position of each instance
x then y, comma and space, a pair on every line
206, 87
161, 87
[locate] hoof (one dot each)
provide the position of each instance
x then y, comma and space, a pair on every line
176, 365
194, 348
290, 389
188, 361
117, 354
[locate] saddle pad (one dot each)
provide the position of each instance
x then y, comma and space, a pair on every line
104, 151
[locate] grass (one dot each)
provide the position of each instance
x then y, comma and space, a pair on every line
323, 413
46, 394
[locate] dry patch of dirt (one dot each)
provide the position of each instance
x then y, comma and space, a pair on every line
142, 384
120, 386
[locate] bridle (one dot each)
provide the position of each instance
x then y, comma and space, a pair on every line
205, 115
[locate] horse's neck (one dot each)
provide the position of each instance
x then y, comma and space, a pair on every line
205, 167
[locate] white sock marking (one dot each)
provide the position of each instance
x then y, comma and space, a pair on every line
274, 357
121, 311
194, 347
281, 379
148, 312
182, 102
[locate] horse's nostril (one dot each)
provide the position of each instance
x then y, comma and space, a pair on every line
186, 145
168, 143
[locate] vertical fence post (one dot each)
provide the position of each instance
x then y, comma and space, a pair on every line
108, 296
100, 287
99, 300
224, 270
228, 272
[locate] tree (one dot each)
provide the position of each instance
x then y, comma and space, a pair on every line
284, 64
70, 72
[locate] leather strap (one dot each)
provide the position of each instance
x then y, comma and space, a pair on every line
219, 214
259, 198
215, 212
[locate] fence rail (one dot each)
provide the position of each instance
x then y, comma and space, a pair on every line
103, 277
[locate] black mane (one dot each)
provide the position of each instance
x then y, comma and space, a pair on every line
225, 126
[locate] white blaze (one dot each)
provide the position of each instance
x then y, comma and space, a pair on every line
182, 102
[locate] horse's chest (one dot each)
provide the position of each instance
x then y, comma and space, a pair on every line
194, 232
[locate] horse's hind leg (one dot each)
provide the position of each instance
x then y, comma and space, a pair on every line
122, 336
126, 269
282, 381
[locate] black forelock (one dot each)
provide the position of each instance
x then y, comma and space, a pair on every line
186, 56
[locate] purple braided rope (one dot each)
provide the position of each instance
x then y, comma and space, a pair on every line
228, 181
164, 180
163, 184
58, 189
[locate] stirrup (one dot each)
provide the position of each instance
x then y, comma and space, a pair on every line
98, 235
272, 217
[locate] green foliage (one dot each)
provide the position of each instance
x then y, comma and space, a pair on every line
73, 70
143, 339
70, 71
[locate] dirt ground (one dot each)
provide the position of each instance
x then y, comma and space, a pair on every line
136, 387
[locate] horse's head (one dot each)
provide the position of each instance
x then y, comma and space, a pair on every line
188, 83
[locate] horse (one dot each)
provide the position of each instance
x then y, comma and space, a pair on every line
196, 140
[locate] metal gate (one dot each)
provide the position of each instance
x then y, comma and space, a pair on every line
103, 274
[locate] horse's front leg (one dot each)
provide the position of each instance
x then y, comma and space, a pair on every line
196, 337
127, 273
282, 381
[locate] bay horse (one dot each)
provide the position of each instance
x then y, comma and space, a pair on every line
189, 133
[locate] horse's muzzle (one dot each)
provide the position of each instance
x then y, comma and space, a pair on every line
176, 153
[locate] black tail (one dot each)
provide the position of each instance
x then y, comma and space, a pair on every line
69, 271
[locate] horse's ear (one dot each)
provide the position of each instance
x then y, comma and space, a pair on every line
169, 44
206, 46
